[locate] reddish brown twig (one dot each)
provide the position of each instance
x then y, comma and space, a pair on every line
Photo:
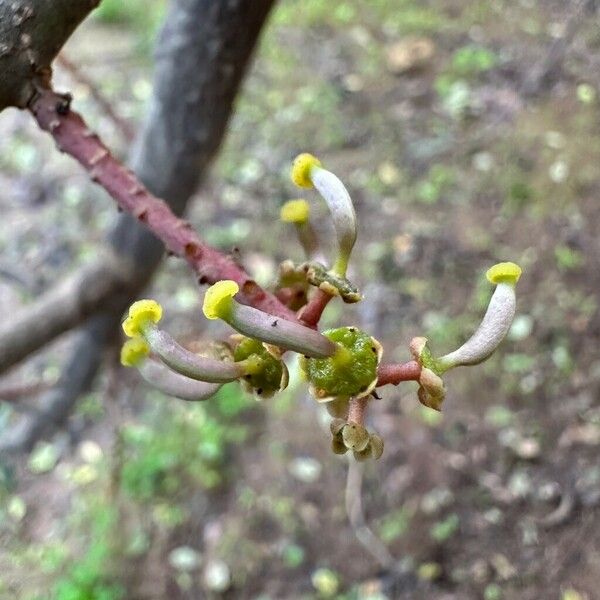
78, 75
394, 374
310, 314
53, 114
357, 409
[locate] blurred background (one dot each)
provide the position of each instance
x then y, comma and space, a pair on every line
468, 132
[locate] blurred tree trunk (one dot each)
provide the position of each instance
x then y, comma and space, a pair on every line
202, 54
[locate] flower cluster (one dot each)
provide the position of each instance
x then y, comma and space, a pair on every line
342, 366
355, 437
480, 346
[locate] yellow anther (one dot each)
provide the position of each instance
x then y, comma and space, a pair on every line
507, 272
295, 211
141, 313
301, 168
134, 351
217, 299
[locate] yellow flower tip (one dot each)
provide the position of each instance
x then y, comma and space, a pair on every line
295, 211
507, 272
217, 298
301, 168
134, 351
141, 313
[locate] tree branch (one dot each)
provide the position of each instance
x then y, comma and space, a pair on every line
55, 405
62, 308
53, 114
394, 374
310, 315
12, 393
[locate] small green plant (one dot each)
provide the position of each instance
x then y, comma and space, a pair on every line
190, 449
454, 84
137, 13
140, 16
471, 60
88, 577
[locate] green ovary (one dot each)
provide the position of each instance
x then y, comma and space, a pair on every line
350, 371
266, 371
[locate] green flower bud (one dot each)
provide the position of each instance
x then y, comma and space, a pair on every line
269, 373
352, 370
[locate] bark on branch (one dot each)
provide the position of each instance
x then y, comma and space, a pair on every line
53, 114
32, 32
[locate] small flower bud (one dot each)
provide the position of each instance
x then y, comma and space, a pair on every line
338, 446
292, 287
141, 313
268, 374
431, 391
134, 351
376, 446
355, 437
